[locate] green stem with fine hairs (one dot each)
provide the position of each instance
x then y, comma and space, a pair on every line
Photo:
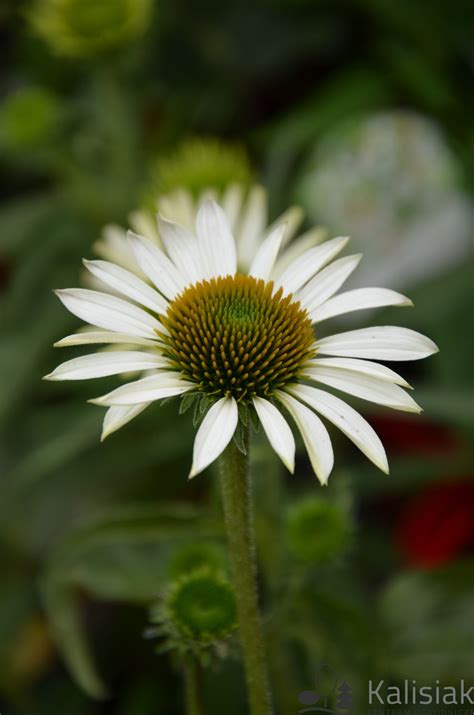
193, 686
237, 504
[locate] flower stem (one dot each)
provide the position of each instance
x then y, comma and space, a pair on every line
193, 686
236, 499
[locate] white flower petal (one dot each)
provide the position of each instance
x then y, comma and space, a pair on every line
208, 194
364, 386
216, 243
350, 422
366, 367
252, 225
292, 218
114, 247
157, 266
128, 284
178, 206
117, 417
108, 312
181, 246
94, 337
304, 268
314, 433
147, 389
144, 224
277, 430
262, 264
300, 245
232, 204
380, 343
214, 433
327, 282
358, 299
106, 363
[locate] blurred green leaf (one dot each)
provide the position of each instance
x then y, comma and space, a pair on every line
118, 557
60, 600
19, 216
54, 451
429, 618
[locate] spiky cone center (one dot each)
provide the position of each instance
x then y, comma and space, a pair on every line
236, 336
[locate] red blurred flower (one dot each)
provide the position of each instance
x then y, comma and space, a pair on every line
437, 524
405, 434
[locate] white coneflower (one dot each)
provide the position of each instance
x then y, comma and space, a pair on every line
241, 340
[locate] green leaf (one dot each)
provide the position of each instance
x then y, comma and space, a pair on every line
55, 451
122, 556
19, 217
429, 618
60, 601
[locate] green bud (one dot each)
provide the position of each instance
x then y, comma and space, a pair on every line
197, 612
29, 119
317, 530
201, 164
82, 28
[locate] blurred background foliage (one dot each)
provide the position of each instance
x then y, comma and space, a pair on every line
361, 112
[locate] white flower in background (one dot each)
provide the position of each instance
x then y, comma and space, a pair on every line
393, 179
241, 341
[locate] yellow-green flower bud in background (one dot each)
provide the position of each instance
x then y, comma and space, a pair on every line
83, 28
29, 119
201, 164
317, 530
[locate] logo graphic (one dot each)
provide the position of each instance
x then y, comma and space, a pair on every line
332, 695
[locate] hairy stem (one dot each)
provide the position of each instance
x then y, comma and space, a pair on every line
236, 499
193, 686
